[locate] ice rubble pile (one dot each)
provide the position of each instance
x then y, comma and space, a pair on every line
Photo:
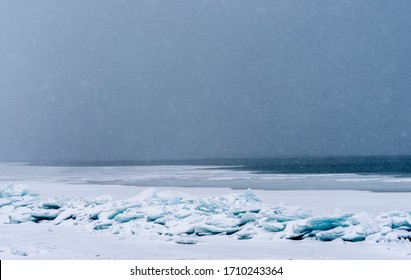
177, 216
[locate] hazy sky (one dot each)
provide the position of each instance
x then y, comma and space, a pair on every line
109, 80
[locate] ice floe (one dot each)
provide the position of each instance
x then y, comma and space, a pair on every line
184, 219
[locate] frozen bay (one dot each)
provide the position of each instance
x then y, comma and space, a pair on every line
237, 228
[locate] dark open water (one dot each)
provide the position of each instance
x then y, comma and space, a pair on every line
393, 165
375, 173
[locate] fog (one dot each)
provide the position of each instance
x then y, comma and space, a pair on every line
141, 80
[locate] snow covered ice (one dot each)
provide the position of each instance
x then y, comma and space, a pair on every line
172, 216
55, 213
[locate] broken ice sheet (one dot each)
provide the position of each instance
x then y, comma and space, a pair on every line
170, 215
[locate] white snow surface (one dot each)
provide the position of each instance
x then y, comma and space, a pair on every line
56, 219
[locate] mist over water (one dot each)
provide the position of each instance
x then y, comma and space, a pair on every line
153, 80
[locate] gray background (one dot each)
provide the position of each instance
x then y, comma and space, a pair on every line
121, 80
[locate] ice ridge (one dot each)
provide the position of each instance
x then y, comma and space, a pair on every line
179, 217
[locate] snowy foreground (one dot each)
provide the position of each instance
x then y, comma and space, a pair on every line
59, 220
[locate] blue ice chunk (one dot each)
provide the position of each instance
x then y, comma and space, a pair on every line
44, 215
325, 222
394, 213
4, 202
239, 212
210, 206
355, 233
365, 224
124, 218
13, 190
94, 215
273, 227
401, 222
300, 228
102, 226
354, 237
250, 196
183, 215
245, 233
282, 218
244, 236
21, 204
209, 230
246, 218
65, 215
119, 210
154, 216
173, 200
186, 241
101, 200
50, 205
161, 221
330, 235
113, 213
398, 235
284, 215
20, 218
